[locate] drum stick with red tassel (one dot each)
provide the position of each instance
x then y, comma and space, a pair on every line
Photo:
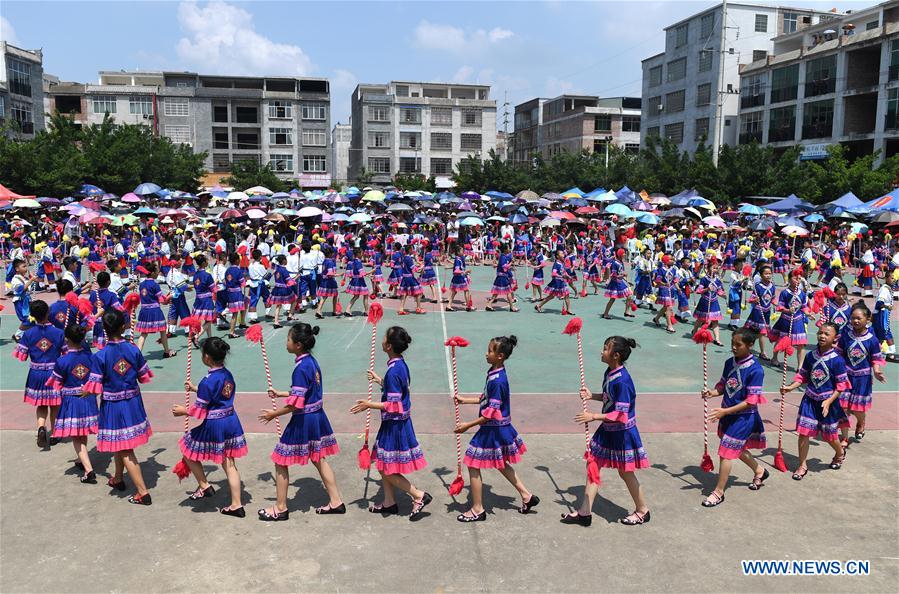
375, 312
785, 346
574, 327
254, 334
193, 325
132, 300
453, 342
704, 336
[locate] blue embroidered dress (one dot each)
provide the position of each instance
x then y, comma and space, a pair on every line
220, 435
396, 449
496, 442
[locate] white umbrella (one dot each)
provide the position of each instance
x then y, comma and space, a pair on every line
26, 203
238, 196
360, 217
258, 190
791, 230
309, 211
550, 222
255, 213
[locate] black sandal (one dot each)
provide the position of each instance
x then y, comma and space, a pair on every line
635, 519
759, 481
202, 493
390, 510
709, 503
138, 499
275, 516
837, 462
575, 518
323, 511
466, 518
89, 479
800, 473
859, 435
239, 512
276, 326
529, 504
169, 355
418, 507
118, 486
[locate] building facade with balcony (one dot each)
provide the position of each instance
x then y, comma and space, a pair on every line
340, 153
280, 121
415, 127
691, 90
835, 82
528, 136
21, 90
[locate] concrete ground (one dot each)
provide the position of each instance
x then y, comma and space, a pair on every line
58, 535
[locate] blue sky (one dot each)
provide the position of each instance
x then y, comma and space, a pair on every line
527, 49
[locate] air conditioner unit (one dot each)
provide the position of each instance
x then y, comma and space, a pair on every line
147, 116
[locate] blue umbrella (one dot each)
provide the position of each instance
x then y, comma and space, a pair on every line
90, 190
576, 202
789, 220
619, 209
339, 216
751, 209
144, 210
647, 218
493, 194
813, 218
517, 219
146, 188
700, 201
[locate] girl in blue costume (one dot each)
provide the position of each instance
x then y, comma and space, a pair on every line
538, 262
792, 303
357, 286
204, 304
708, 310
150, 319
502, 283
460, 280
396, 451
409, 285
740, 426
103, 299
308, 436
77, 417
557, 286
761, 300
43, 343
234, 284
864, 362
327, 284
616, 443
837, 309
116, 371
220, 437
497, 443
617, 287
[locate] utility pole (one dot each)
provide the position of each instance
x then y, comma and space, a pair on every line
506, 126
719, 104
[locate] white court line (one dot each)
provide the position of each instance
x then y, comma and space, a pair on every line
446, 349
359, 333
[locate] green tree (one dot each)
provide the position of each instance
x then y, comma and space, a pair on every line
412, 182
246, 174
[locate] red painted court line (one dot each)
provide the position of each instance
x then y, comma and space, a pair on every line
433, 413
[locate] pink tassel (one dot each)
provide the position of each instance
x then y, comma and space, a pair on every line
363, 458
707, 465
181, 470
592, 469
456, 486
779, 462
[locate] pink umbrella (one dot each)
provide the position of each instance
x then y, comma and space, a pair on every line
562, 214
131, 197
587, 210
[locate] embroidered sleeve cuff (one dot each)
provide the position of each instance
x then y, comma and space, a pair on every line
616, 416
54, 382
488, 412
297, 398
20, 353
198, 410
144, 375
799, 377
756, 398
843, 385
878, 359
394, 407
93, 386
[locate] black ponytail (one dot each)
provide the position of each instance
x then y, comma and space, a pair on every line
505, 344
623, 346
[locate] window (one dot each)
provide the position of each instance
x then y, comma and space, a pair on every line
471, 117
652, 131
139, 104
791, 22
314, 164
817, 119
280, 109
752, 91
254, 159
630, 123
751, 127
705, 60
602, 123
176, 106
247, 141
704, 94
871, 25
701, 129
599, 146
894, 59
677, 69
220, 139
19, 74
441, 116
706, 25
314, 111
441, 166
759, 55
314, 138
2, 108
782, 126
680, 35
820, 76
631, 148
410, 164
104, 104
378, 139
221, 162
410, 140
892, 109
410, 115
280, 136
471, 142
402, 90
178, 134
379, 164
655, 76
674, 102
21, 114
675, 132
784, 83
245, 114
220, 113
761, 23
378, 113
653, 106
281, 162
441, 141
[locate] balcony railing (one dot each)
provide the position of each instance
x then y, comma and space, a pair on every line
817, 130
822, 86
747, 101
782, 133
784, 94
750, 137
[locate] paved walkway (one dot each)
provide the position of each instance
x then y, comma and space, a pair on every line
60, 536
